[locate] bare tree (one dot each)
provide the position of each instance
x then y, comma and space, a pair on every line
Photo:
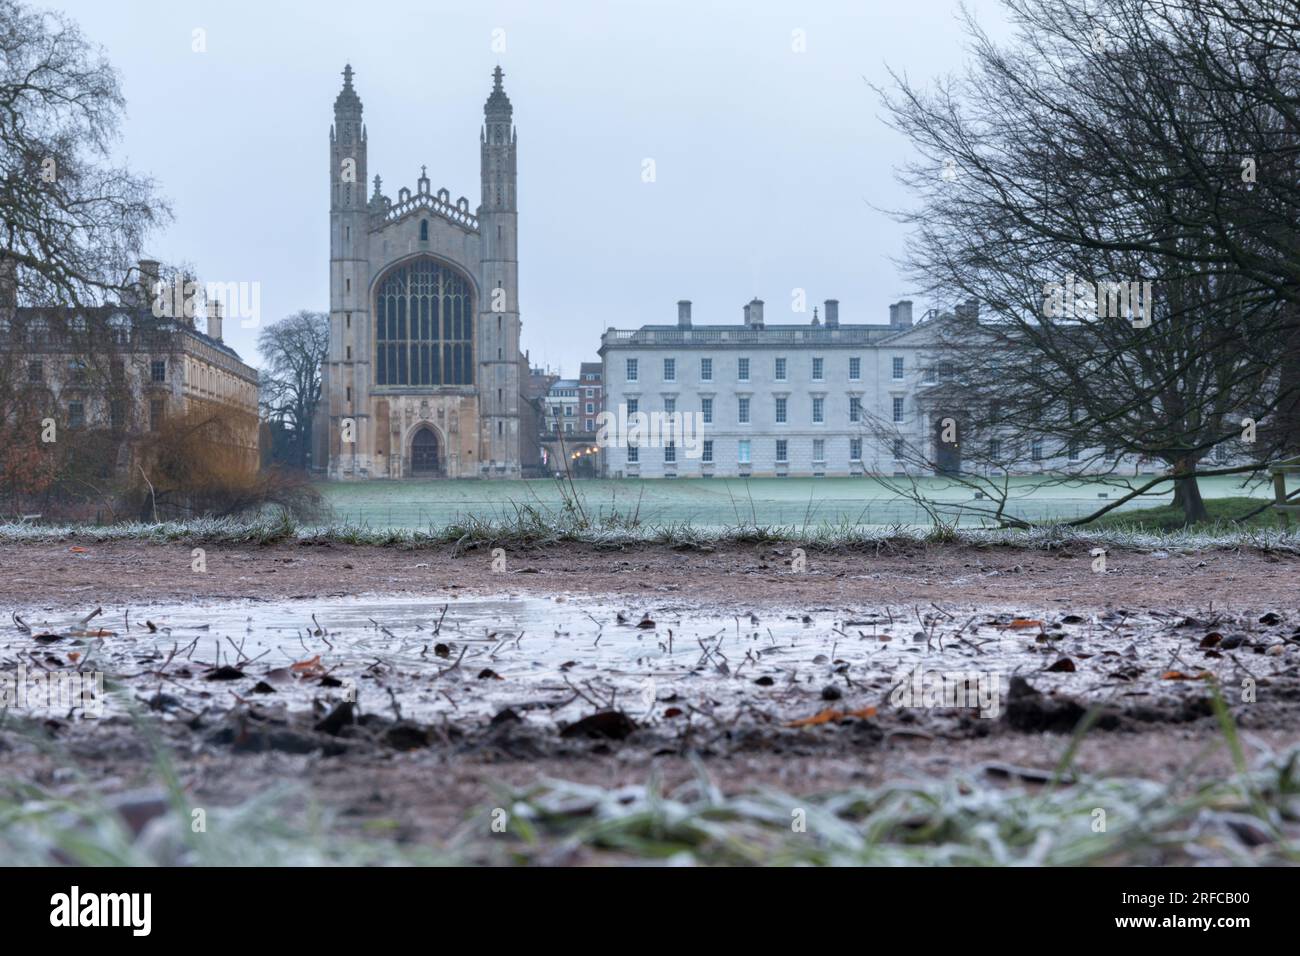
294, 349
73, 223
1091, 150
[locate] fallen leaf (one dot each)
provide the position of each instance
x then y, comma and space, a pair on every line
76, 549
829, 715
1064, 665
308, 668
1019, 623
1179, 675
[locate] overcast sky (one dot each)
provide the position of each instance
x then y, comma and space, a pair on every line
768, 161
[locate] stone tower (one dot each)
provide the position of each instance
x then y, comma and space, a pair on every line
499, 357
347, 374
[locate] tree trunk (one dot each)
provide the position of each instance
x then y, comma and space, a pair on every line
1187, 494
1285, 433
302, 436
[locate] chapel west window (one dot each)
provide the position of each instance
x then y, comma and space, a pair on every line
424, 326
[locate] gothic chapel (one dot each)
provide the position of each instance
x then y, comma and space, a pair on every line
423, 373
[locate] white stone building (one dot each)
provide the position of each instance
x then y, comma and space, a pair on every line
772, 400
562, 407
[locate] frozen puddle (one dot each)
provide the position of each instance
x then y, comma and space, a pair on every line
561, 658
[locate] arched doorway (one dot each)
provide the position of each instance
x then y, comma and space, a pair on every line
425, 459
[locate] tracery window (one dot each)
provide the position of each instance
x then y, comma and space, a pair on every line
424, 326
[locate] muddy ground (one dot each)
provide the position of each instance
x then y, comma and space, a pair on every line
796, 697
899, 573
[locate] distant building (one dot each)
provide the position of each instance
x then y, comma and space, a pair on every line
532, 419
562, 407
591, 394
569, 432
123, 369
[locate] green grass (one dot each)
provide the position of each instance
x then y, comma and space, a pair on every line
532, 527
75, 825
1225, 514
719, 502
964, 820
961, 821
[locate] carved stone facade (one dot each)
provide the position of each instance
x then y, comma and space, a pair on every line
424, 371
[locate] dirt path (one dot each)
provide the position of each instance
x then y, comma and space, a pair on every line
418, 778
734, 575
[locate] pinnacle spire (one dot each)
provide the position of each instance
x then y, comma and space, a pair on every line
498, 102
347, 98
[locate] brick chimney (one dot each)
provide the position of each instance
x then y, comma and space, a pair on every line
683, 313
148, 282
900, 314
832, 313
214, 319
